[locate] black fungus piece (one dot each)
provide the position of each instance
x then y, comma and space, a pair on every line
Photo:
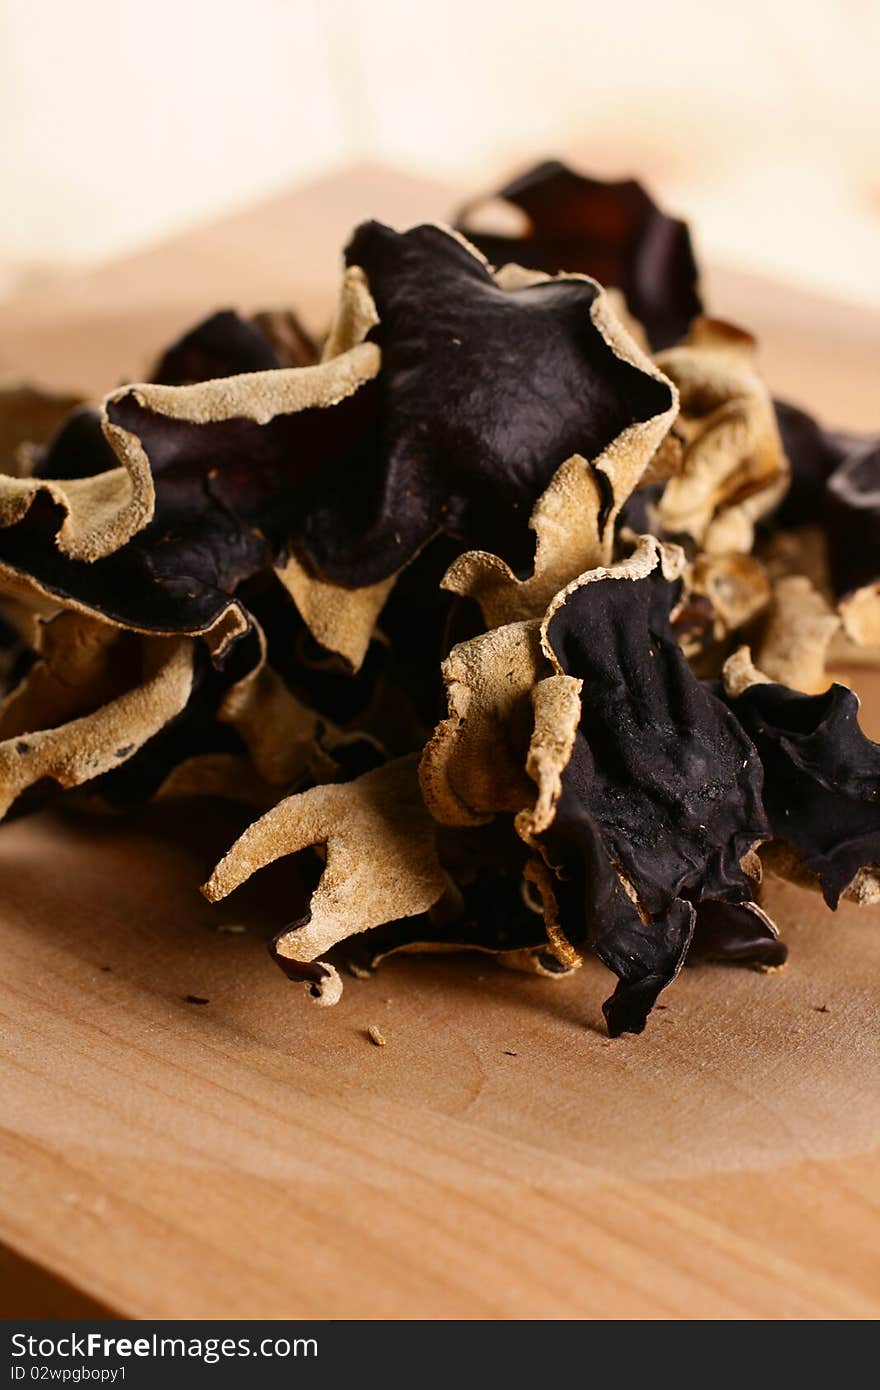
667, 772
612, 231
637, 512
420, 622
224, 344
835, 483
821, 779
78, 450
484, 392
595, 911
178, 575
661, 798
494, 919
227, 495
735, 934
813, 459
294, 346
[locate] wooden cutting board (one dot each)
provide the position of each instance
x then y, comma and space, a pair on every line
500, 1157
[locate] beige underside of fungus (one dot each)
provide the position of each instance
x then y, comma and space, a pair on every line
43, 733
734, 469
473, 766
793, 649
381, 859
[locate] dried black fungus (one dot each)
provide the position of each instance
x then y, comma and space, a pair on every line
78, 450
288, 545
612, 231
483, 393
736, 934
223, 345
821, 779
835, 483
595, 910
661, 798
227, 496
492, 917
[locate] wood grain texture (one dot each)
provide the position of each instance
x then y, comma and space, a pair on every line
500, 1157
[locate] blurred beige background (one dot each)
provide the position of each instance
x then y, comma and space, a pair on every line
123, 121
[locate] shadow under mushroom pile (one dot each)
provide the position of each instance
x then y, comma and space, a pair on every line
512, 600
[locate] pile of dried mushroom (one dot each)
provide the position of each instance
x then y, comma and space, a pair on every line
512, 600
